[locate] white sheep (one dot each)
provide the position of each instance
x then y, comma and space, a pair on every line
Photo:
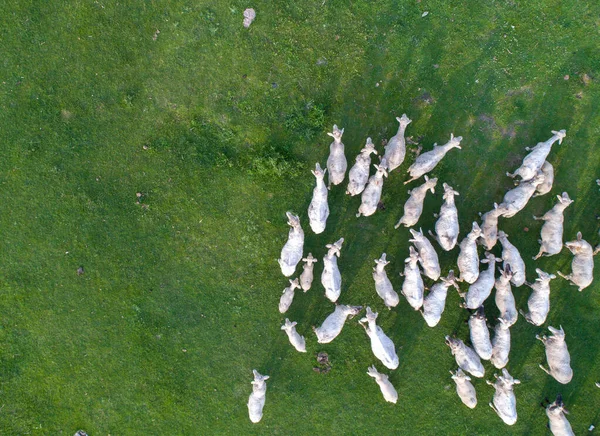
428, 161
295, 339
557, 355
291, 253
482, 288
464, 388
546, 186
331, 278
395, 150
558, 422
318, 210
382, 346
489, 226
359, 173
468, 258
413, 287
501, 344
306, 278
371, 196
505, 300
533, 162
517, 198
466, 358
552, 230
539, 300
256, 402
334, 323
427, 255
435, 301
446, 227
480, 335
387, 389
504, 401
336, 162
413, 208
383, 285
582, 266
288, 296
512, 257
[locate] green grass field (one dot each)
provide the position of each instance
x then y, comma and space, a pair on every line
217, 127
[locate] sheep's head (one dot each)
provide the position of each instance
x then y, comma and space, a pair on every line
556, 408
403, 120
557, 333
336, 134
475, 231
564, 199
560, 134
369, 147
544, 276
293, 220
319, 173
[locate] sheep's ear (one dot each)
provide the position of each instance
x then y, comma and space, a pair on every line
294, 324
330, 134
516, 382
266, 377
313, 173
579, 236
426, 178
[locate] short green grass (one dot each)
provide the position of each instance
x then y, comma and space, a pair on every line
217, 127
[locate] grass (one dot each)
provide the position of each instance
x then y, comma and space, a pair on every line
217, 127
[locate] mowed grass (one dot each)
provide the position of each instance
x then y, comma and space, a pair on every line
217, 127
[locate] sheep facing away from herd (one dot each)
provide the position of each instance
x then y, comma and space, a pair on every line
288, 296
318, 210
295, 339
387, 388
256, 402
336, 162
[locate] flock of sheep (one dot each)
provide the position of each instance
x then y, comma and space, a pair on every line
536, 178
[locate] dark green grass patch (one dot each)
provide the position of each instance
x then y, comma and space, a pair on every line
216, 128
